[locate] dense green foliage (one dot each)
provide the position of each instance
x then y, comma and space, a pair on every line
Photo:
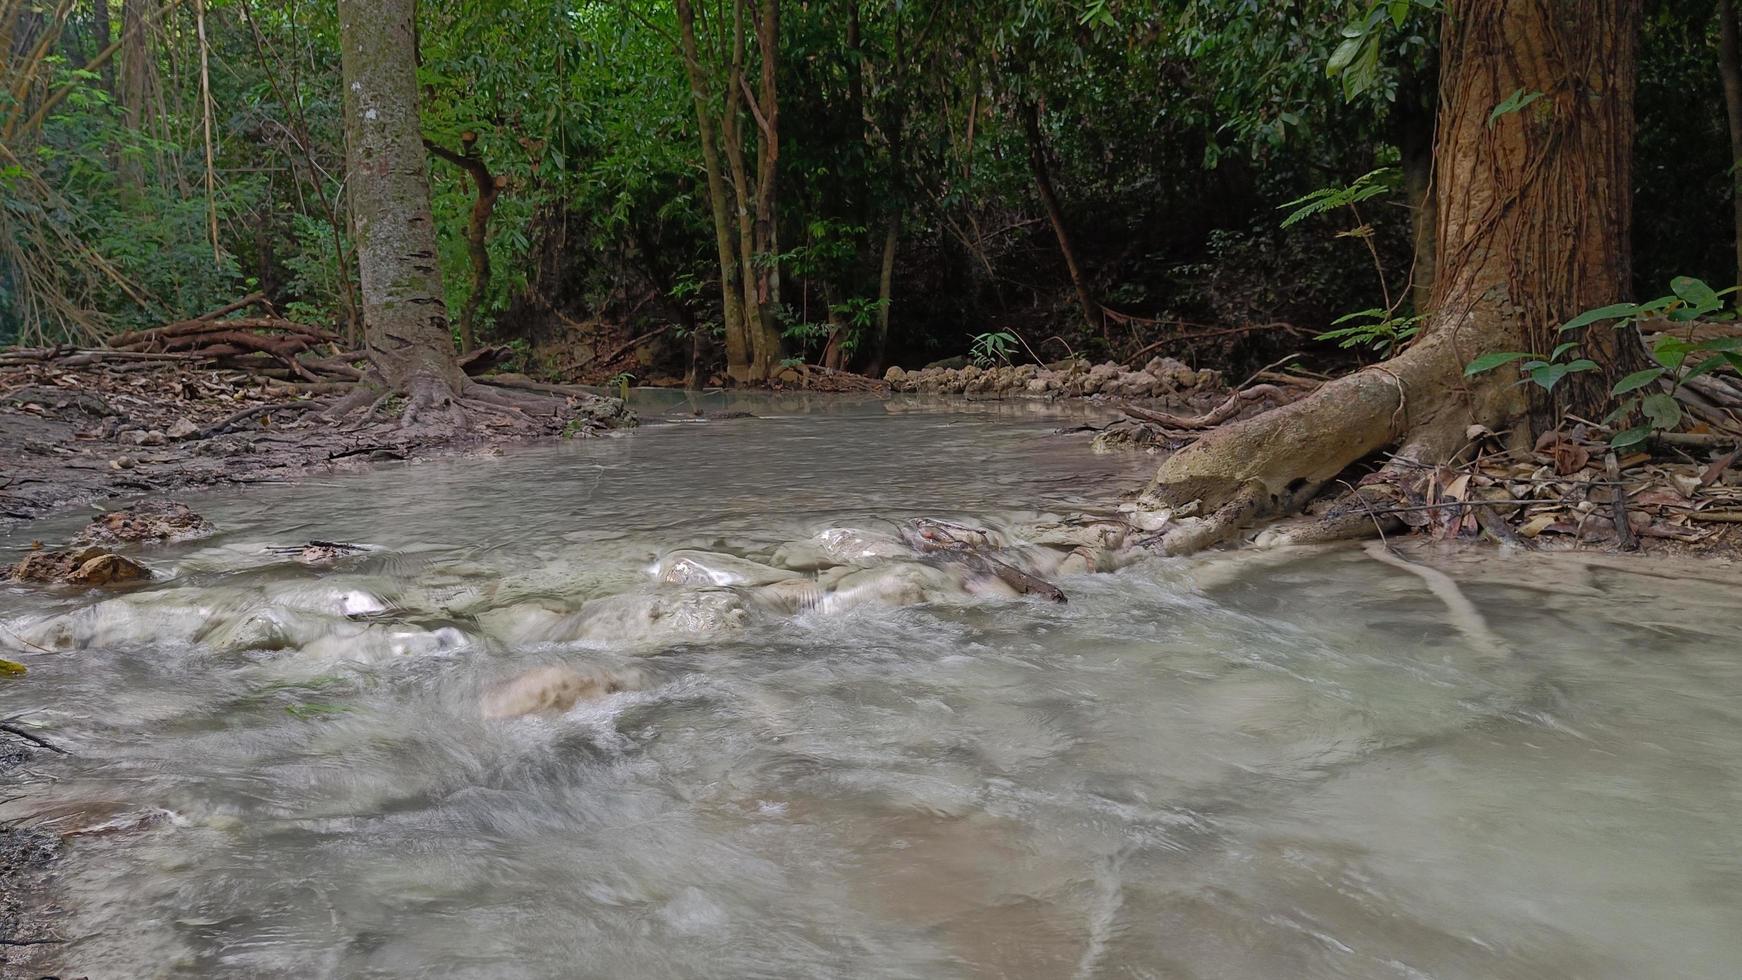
1172, 130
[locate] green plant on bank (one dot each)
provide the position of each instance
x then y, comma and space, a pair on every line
1689, 300
620, 381
991, 347
1379, 329
1363, 188
1374, 329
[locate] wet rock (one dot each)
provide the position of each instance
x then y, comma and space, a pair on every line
147, 520
86, 566
554, 690
895, 375
926, 534
321, 552
109, 569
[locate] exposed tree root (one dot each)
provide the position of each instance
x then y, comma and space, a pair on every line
1464, 615
432, 410
1273, 464
1215, 416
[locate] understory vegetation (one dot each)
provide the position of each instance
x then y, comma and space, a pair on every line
1096, 177
1438, 209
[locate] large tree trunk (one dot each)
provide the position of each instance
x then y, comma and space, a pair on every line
1535, 213
732, 299
405, 319
1055, 213
1730, 70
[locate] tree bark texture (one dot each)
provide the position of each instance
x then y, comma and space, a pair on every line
1534, 221
405, 319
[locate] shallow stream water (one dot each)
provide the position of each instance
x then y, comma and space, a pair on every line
1251, 766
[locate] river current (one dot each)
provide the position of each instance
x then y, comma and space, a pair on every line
1249, 765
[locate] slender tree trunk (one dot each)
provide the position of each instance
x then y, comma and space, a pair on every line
1730, 70
487, 188
732, 140
137, 83
1535, 213
404, 317
885, 294
766, 109
1055, 213
103, 36
732, 299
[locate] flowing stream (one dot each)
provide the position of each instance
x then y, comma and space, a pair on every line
1250, 765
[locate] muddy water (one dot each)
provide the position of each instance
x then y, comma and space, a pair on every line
1287, 767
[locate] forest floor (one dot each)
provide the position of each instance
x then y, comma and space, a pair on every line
77, 434
72, 435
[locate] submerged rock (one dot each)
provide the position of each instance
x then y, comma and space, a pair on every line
840, 546
630, 619
707, 568
148, 520
554, 690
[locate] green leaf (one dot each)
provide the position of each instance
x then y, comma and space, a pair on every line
1695, 293
1706, 366
1621, 411
1562, 349
1662, 409
1373, 314
1631, 437
1344, 54
1488, 362
1589, 317
1720, 344
1636, 380
1399, 11
1512, 103
1671, 352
